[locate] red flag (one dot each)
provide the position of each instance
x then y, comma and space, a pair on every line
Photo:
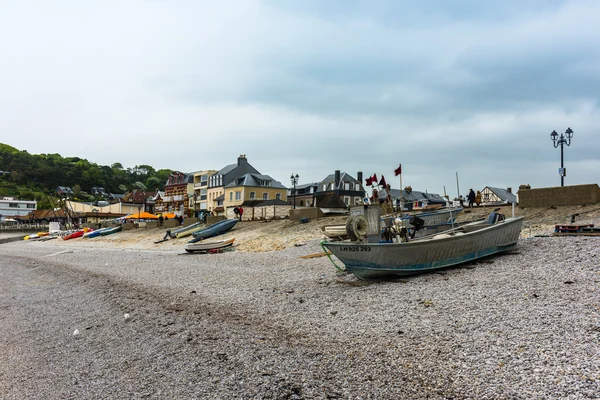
382, 182
398, 171
369, 181
374, 178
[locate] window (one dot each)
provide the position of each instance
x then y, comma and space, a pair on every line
265, 196
30, 205
265, 183
347, 185
203, 180
238, 195
13, 205
252, 195
346, 200
230, 196
203, 194
278, 196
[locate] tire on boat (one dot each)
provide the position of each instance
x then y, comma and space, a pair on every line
357, 227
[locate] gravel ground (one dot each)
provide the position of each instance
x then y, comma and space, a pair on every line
272, 325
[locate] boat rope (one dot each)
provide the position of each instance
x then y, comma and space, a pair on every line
328, 254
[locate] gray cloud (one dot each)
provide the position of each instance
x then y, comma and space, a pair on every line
309, 87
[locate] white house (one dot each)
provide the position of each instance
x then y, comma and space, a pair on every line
13, 207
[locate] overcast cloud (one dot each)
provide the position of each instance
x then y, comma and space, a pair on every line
309, 87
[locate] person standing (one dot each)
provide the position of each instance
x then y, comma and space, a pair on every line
471, 198
240, 211
478, 198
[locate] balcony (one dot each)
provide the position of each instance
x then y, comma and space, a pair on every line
178, 198
168, 199
200, 184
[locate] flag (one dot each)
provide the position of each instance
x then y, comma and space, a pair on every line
374, 178
398, 171
382, 182
369, 181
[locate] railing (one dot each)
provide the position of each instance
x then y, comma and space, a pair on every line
200, 184
178, 198
167, 199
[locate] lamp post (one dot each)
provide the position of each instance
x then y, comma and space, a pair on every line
562, 141
294, 179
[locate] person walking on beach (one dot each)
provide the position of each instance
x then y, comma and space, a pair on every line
471, 198
241, 212
236, 211
478, 198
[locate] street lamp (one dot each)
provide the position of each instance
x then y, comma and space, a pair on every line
294, 179
562, 141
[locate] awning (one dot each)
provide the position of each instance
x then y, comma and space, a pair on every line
142, 215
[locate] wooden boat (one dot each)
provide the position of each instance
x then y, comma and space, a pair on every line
469, 242
205, 246
110, 231
213, 230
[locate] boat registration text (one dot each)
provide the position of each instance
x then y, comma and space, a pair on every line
355, 248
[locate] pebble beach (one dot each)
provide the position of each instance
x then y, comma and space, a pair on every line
124, 318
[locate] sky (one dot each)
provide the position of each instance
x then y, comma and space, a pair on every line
446, 88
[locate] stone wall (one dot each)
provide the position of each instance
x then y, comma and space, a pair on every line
559, 196
309, 212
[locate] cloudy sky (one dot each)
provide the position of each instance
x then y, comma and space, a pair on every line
309, 87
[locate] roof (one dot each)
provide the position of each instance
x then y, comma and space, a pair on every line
307, 185
504, 194
344, 177
414, 195
226, 169
253, 180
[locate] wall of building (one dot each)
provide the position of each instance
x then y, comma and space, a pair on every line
245, 194
258, 213
118, 208
19, 207
559, 196
309, 212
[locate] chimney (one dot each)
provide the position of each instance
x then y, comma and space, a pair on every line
242, 160
509, 190
359, 177
337, 179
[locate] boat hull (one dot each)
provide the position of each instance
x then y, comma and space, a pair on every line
213, 230
380, 260
205, 246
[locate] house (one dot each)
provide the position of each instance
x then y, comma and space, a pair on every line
13, 207
303, 195
98, 191
338, 191
223, 177
143, 200
179, 194
251, 189
498, 196
413, 199
64, 191
201, 189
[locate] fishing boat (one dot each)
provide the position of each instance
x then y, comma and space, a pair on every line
213, 230
437, 217
206, 246
429, 253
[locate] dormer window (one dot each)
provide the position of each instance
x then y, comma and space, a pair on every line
265, 183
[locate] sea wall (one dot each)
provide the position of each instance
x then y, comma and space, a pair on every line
559, 196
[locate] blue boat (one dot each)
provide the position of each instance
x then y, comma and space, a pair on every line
213, 230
